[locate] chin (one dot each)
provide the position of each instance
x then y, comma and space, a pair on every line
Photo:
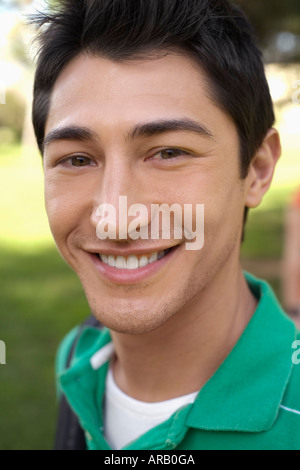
132, 318
134, 310
128, 322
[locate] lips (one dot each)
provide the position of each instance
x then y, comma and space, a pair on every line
132, 261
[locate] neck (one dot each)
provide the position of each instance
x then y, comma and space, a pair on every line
194, 341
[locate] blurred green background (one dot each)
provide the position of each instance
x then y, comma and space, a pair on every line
41, 298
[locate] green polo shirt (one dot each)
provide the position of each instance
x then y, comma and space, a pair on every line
251, 402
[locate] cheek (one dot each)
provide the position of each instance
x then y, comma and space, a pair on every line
66, 207
222, 239
223, 200
224, 220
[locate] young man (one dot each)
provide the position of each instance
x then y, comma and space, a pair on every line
164, 102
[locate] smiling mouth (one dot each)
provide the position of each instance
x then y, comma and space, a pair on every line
132, 261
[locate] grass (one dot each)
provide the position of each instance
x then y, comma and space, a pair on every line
41, 298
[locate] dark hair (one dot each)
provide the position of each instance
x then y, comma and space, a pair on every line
216, 33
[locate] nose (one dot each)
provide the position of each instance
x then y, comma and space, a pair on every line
120, 210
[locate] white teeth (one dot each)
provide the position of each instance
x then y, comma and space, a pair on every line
120, 262
104, 259
132, 261
111, 261
153, 257
143, 261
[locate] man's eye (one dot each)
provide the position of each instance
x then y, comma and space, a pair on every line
78, 160
170, 153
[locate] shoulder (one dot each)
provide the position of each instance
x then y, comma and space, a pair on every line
292, 392
66, 351
290, 403
63, 353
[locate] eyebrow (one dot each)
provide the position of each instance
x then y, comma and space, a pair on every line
148, 129
83, 134
162, 127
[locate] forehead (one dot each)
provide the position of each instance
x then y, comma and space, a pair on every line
93, 89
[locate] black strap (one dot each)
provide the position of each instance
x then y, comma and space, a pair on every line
69, 434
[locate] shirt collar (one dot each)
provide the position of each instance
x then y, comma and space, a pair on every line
245, 392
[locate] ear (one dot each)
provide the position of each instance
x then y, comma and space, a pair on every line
262, 168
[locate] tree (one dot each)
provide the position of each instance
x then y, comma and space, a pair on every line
272, 16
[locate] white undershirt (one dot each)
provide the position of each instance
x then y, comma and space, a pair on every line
125, 419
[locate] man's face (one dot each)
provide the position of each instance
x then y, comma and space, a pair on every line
144, 129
